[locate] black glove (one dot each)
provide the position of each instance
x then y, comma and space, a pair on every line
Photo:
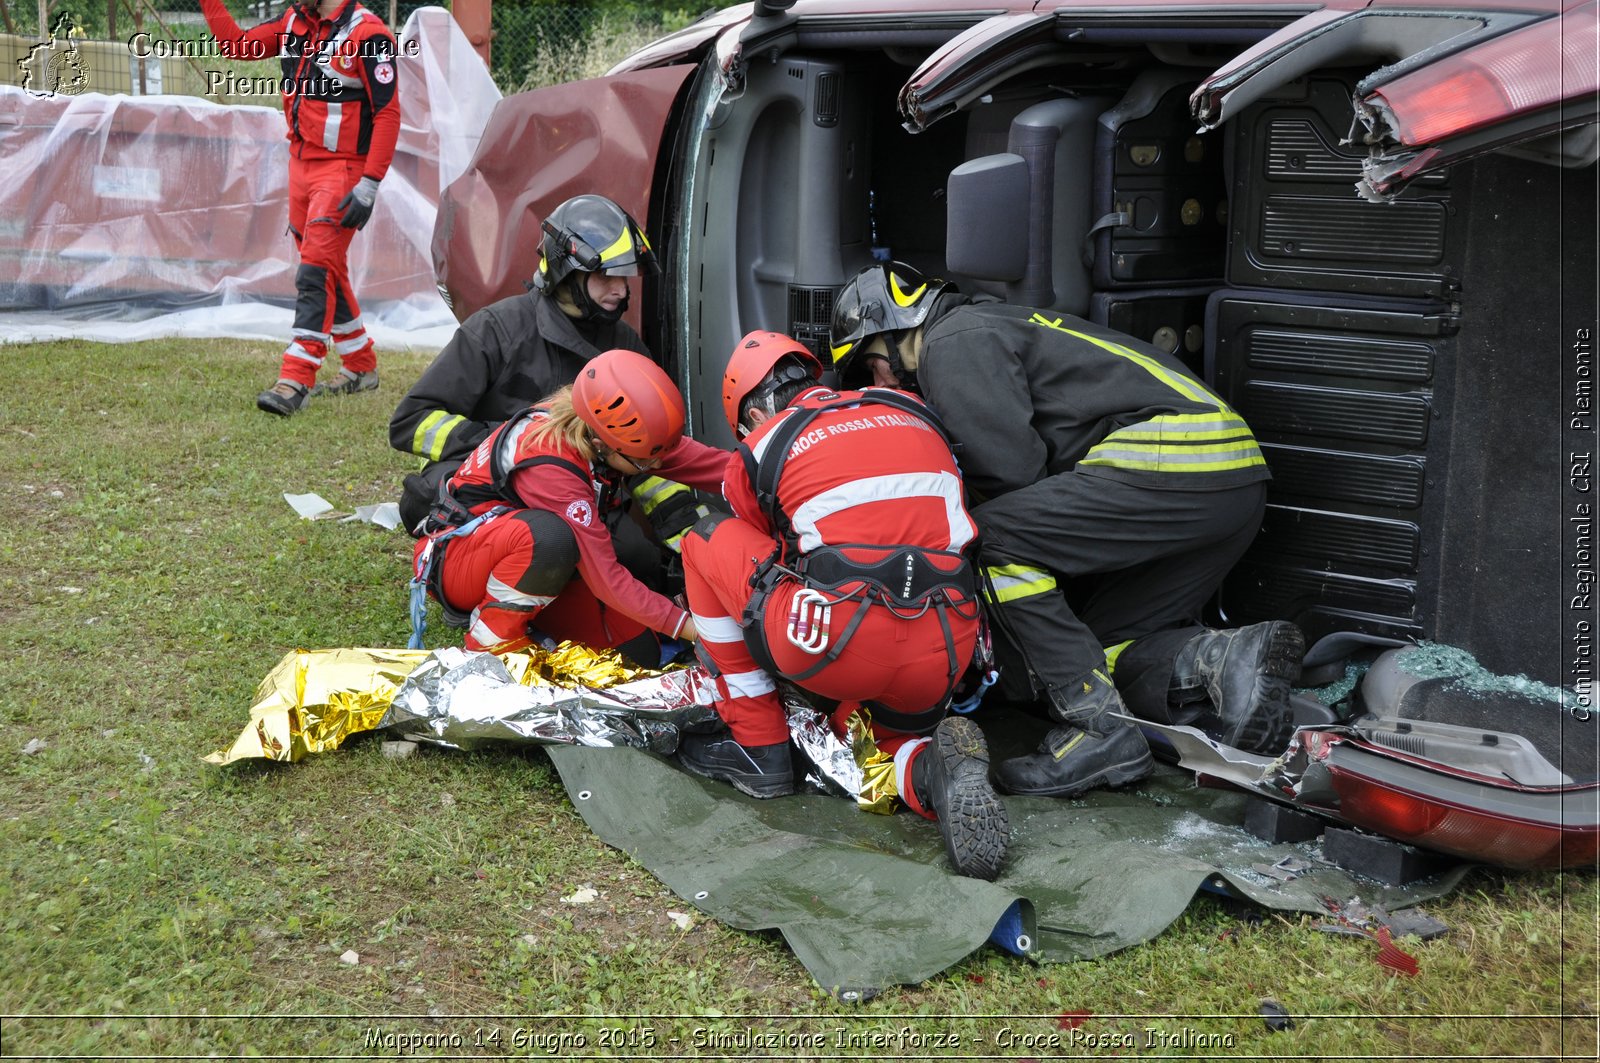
356, 206
671, 508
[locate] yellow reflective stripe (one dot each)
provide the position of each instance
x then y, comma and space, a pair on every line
903, 297
619, 245
1011, 582
1176, 452
1177, 427
843, 349
1112, 653
1179, 384
431, 434
653, 490
1171, 463
1178, 449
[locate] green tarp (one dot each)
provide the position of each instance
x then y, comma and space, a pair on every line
868, 901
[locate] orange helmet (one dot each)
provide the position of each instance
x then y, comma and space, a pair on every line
750, 363
631, 404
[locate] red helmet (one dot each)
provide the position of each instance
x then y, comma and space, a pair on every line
631, 404
752, 360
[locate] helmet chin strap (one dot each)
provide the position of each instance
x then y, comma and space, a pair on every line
588, 309
897, 366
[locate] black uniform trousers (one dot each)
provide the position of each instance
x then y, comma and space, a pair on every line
1130, 562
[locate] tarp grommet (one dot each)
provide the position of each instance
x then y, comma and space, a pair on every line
584, 795
702, 895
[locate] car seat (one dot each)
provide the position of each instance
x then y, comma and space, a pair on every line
1020, 217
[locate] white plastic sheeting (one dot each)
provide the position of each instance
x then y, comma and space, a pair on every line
125, 218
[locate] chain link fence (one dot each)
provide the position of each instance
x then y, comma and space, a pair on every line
149, 47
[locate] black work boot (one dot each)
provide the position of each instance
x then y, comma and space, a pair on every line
1095, 748
760, 771
1247, 673
950, 777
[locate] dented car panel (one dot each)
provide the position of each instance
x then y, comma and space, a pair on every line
540, 148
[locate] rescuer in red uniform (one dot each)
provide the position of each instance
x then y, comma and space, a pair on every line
535, 504
339, 84
841, 570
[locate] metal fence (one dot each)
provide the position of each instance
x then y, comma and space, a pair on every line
95, 45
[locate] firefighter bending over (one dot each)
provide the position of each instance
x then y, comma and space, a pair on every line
1105, 465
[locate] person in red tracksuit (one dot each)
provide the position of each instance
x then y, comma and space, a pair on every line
841, 570
339, 82
552, 482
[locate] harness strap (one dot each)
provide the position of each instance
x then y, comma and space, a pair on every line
765, 473
428, 573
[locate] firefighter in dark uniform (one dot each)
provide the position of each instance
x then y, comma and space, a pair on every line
513, 353
1114, 491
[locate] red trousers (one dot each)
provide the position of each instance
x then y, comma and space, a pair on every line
499, 575
903, 664
326, 313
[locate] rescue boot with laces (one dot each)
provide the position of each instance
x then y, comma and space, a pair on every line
348, 383
760, 771
283, 398
1246, 673
950, 784
1098, 746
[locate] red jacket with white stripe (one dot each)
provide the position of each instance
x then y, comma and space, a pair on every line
338, 78
511, 467
865, 473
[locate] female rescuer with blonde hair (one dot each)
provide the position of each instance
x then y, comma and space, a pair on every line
534, 505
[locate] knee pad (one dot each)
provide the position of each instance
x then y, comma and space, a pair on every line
555, 552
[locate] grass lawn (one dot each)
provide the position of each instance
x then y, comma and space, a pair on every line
151, 574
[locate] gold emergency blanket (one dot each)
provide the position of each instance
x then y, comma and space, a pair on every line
316, 699
313, 700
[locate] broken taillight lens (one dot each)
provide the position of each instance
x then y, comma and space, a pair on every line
1522, 71
1461, 831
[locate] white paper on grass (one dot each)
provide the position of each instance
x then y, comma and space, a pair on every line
308, 506
384, 515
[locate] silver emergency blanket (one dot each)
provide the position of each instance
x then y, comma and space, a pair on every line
834, 769
461, 700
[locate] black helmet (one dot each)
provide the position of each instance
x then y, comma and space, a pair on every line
591, 234
880, 299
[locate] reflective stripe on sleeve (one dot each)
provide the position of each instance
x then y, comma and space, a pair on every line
654, 490
1011, 582
431, 435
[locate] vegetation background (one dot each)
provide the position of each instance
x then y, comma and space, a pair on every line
536, 42
151, 574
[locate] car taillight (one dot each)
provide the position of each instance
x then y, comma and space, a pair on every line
1449, 828
1510, 75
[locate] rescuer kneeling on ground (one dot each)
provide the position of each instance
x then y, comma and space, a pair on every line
523, 533
513, 353
1104, 463
842, 570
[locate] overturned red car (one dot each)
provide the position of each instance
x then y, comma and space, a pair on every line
1369, 225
